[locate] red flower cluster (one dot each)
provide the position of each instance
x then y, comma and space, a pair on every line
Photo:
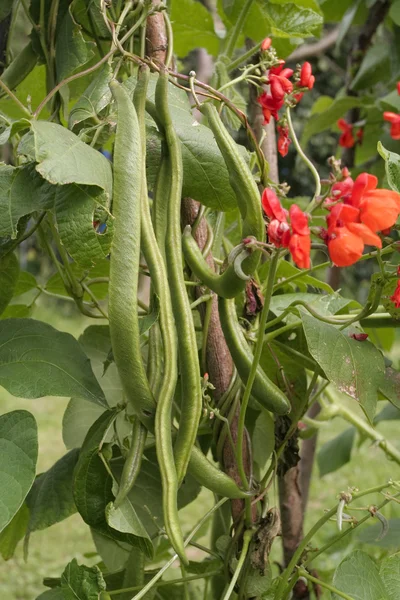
347, 139
280, 85
355, 220
394, 121
295, 236
396, 296
283, 140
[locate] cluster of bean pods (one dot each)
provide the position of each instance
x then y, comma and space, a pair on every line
156, 232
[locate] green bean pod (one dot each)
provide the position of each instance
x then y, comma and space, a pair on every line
209, 476
187, 345
125, 255
248, 198
263, 390
133, 462
165, 395
19, 68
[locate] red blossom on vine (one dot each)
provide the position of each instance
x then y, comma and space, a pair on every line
346, 140
283, 139
396, 296
394, 121
307, 79
266, 44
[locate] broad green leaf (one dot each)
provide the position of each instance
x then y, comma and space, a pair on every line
390, 102
9, 272
285, 270
22, 191
55, 284
375, 67
336, 453
94, 100
53, 594
16, 311
347, 21
355, 368
193, 27
79, 582
358, 576
263, 439
394, 12
334, 11
75, 207
390, 574
50, 499
63, 158
88, 13
114, 554
33, 87
5, 9
79, 416
388, 413
288, 20
125, 519
36, 360
392, 167
327, 118
26, 282
14, 532
284, 371
18, 451
72, 51
390, 386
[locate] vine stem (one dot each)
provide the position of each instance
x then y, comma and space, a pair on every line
246, 542
282, 590
189, 538
237, 28
306, 575
253, 371
14, 98
306, 161
243, 57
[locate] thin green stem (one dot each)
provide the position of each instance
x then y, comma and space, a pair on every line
268, 337
306, 161
25, 6
189, 538
237, 29
327, 586
14, 98
257, 355
206, 328
200, 300
170, 38
169, 582
243, 57
246, 542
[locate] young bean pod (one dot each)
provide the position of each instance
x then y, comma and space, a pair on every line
125, 255
163, 420
187, 345
248, 198
133, 462
213, 478
264, 390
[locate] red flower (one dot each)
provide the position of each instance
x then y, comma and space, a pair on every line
380, 208
297, 237
266, 44
280, 86
346, 140
270, 106
398, 87
307, 79
283, 140
395, 124
396, 296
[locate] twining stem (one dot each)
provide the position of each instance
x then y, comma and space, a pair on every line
237, 29
257, 355
14, 98
189, 538
243, 57
306, 160
246, 542
306, 575
168, 582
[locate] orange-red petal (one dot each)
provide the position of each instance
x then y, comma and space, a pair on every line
364, 232
379, 209
300, 248
345, 247
363, 184
298, 220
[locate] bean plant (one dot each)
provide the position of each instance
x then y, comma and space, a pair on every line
218, 342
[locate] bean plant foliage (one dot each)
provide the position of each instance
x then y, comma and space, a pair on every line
218, 341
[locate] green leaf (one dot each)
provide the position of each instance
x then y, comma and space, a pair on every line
88, 13
79, 582
372, 535
327, 118
358, 576
9, 272
63, 158
390, 386
193, 27
390, 573
79, 416
355, 368
287, 20
50, 499
75, 207
114, 554
22, 191
18, 451
33, 87
36, 360
55, 284
392, 167
93, 101
394, 12
388, 413
54, 594
375, 67
14, 532
125, 519
346, 22
16, 311
263, 439
285, 269
93, 486
72, 51
5, 9
275, 361
26, 282
336, 453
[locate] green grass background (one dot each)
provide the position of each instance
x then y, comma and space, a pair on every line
50, 550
